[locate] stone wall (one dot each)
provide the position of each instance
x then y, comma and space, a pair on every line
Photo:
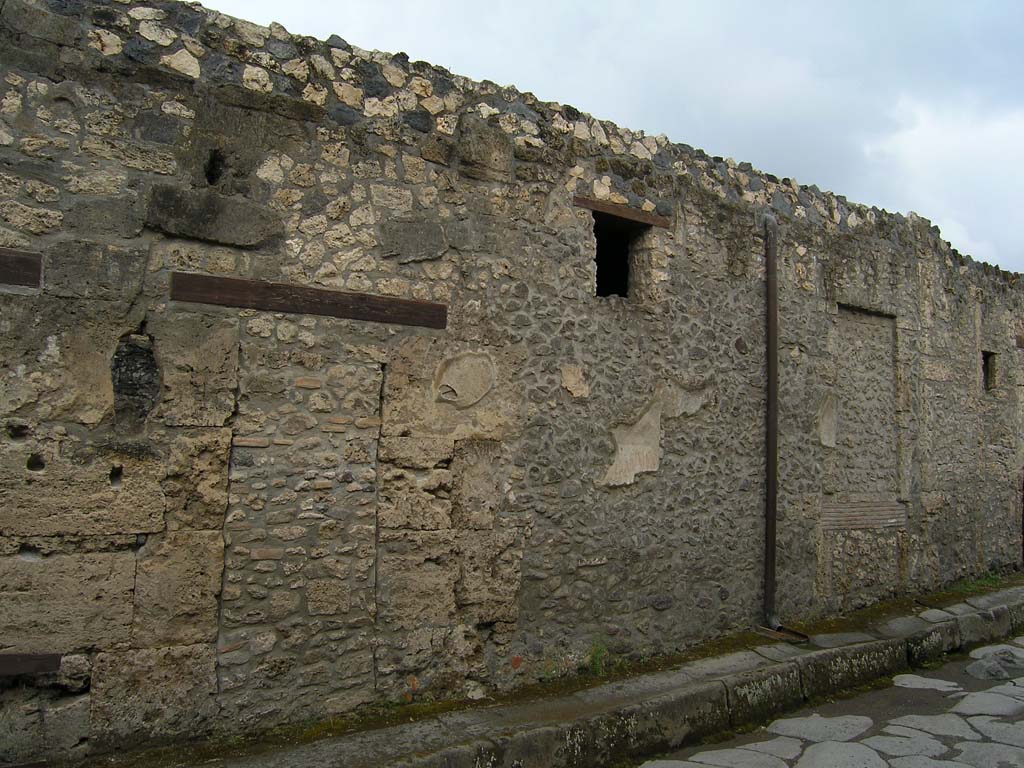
455, 469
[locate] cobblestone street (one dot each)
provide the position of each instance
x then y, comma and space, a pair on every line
968, 714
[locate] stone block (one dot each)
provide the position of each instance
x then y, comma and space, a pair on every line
490, 574
38, 724
415, 452
198, 355
153, 694
88, 491
205, 215
761, 694
485, 151
63, 367
176, 587
93, 270
64, 603
328, 597
196, 486
415, 500
825, 672
416, 578
983, 626
409, 241
931, 643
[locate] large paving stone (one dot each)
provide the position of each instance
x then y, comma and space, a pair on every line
950, 725
833, 754
992, 728
738, 758
901, 746
990, 755
986, 703
818, 728
784, 746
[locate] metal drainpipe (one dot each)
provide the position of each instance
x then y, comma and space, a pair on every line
771, 442
771, 439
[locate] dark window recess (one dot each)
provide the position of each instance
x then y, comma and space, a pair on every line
616, 238
988, 369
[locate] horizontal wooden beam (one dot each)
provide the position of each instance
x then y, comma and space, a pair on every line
14, 664
23, 268
622, 211
304, 300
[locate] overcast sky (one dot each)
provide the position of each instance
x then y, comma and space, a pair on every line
910, 106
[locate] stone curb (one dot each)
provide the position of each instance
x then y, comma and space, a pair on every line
597, 732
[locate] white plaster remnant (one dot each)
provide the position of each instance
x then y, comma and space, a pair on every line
638, 445
828, 420
574, 381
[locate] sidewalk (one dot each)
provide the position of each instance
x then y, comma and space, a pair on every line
629, 719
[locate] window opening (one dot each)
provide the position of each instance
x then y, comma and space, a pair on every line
616, 238
988, 370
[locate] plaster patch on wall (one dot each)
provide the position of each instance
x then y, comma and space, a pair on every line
828, 420
638, 445
464, 380
574, 381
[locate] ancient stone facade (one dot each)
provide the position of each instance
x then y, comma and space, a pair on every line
229, 501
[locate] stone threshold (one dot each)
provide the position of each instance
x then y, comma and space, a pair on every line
629, 719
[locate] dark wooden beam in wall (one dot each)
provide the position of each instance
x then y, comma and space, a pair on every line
303, 300
14, 664
23, 268
622, 211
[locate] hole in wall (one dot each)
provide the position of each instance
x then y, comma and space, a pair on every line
215, 166
17, 431
989, 370
135, 376
35, 463
116, 476
616, 238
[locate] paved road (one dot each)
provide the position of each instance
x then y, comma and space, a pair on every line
968, 714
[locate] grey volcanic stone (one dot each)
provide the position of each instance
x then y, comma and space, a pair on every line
785, 747
1008, 733
205, 215
408, 241
991, 755
939, 725
739, 758
832, 754
986, 703
901, 746
818, 728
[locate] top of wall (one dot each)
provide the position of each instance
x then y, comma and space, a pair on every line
334, 82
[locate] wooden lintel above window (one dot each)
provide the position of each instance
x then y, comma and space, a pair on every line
22, 268
622, 211
305, 300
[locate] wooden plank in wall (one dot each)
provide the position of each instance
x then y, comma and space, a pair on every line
14, 664
22, 268
304, 300
622, 211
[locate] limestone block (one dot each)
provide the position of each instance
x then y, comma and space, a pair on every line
176, 588
42, 724
151, 694
92, 491
416, 578
433, 390
478, 485
92, 270
56, 355
205, 215
64, 603
411, 500
198, 355
485, 151
196, 486
415, 452
490, 575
